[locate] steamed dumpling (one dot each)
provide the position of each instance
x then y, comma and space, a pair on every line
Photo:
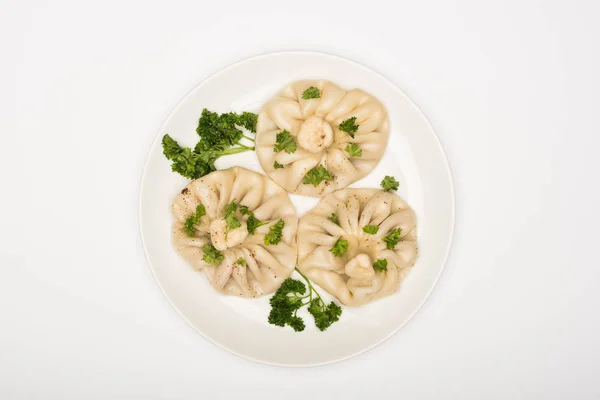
356, 277
237, 261
314, 125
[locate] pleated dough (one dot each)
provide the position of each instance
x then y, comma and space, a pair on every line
351, 278
314, 124
266, 266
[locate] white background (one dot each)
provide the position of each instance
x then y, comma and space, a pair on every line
512, 89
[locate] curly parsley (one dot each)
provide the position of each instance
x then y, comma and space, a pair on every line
194, 219
291, 297
220, 136
392, 239
353, 150
371, 229
334, 218
275, 233
349, 127
212, 255
380, 265
389, 183
340, 247
241, 262
252, 223
284, 141
230, 219
316, 176
311, 93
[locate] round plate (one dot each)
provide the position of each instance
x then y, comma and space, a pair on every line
414, 156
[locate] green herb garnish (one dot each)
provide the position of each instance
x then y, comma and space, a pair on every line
230, 219
241, 261
316, 175
291, 297
276, 165
252, 223
340, 247
392, 239
311, 93
275, 233
371, 229
389, 183
380, 265
219, 136
334, 218
284, 141
349, 127
212, 255
353, 150
194, 219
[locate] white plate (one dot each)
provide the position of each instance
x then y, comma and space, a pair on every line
414, 156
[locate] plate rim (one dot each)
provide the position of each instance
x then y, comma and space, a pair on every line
438, 142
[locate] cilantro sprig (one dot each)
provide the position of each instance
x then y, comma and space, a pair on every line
194, 219
276, 165
292, 296
220, 135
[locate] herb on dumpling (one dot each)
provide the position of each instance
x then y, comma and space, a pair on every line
349, 126
316, 176
311, 93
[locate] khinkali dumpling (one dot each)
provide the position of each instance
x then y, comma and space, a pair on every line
376, 232
231, 215
335, 138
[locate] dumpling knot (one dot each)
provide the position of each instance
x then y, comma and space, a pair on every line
223, 238
315, 134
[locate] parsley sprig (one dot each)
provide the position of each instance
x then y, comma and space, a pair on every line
389, 183
212, 255
371, 229
220, 135
340, 247
284, 141
349, 126
353, 150
292, 296
194, 219
311, 93
392, 239
275, 233
380, 265
316, 175
252, 223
